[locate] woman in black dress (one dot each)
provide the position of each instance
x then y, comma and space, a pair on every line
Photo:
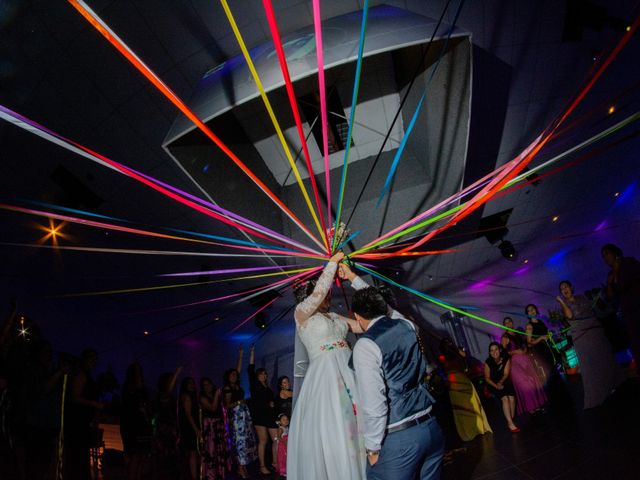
284, 398
190, 433
263, 411
497, 368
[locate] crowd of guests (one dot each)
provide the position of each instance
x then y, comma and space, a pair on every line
203, 432
206, 431
522, 368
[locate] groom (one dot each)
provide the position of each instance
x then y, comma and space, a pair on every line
401, 435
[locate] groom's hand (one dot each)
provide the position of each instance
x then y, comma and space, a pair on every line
345, 272
373, 458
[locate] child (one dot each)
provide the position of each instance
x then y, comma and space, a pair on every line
283, 435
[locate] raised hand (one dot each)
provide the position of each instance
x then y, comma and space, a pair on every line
337, 257
345, 272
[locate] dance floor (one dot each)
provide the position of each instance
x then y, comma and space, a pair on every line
600, 443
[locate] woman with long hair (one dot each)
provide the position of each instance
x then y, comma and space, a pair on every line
284, 397
497, 369
215, 454
598, 367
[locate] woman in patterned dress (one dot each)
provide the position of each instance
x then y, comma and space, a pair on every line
243, 440
216, 457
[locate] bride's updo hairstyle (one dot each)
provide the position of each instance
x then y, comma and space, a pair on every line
303, 289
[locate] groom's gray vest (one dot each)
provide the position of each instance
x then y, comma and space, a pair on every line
403, 366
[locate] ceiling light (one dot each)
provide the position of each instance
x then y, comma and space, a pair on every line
612, 109
555, 219
261, 320
507, 250
628, 29
617, 194
146, 333
526, 261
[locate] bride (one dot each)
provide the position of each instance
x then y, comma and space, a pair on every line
324, 440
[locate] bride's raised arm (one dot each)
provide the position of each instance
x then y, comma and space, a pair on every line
306, 308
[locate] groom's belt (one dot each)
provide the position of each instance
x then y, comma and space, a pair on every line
411, 423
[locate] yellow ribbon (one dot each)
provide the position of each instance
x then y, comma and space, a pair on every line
272, 115
179, 285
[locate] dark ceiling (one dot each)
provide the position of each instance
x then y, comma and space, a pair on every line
529, 58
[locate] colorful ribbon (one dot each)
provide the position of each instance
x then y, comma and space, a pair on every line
137, 231
414, 118
43, 132
227, 270
117, 42
354, 101
440, 303
180, 285
277, 42
317, 26
131, 251
272, 115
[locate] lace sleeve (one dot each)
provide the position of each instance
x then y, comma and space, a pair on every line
308, 306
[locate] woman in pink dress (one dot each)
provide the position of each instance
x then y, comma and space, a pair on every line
530, 395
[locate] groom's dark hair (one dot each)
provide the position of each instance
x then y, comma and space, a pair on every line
369, 303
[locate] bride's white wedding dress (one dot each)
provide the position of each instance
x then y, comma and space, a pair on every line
324, 440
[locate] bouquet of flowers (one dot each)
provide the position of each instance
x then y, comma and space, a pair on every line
341, 235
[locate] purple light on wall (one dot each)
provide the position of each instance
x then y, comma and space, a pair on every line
601, 226
480, 285
522, 270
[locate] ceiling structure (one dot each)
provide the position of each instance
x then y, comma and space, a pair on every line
522, 63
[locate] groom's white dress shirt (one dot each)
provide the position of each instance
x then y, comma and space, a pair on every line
372, 390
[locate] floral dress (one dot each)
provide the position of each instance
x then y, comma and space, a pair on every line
243, 438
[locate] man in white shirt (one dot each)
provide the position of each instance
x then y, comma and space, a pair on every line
402, 437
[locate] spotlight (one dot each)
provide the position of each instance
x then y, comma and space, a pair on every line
146, 333
555, 218
261, 320
617, 194
628, 29
612, 109
526, 260
507, 250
